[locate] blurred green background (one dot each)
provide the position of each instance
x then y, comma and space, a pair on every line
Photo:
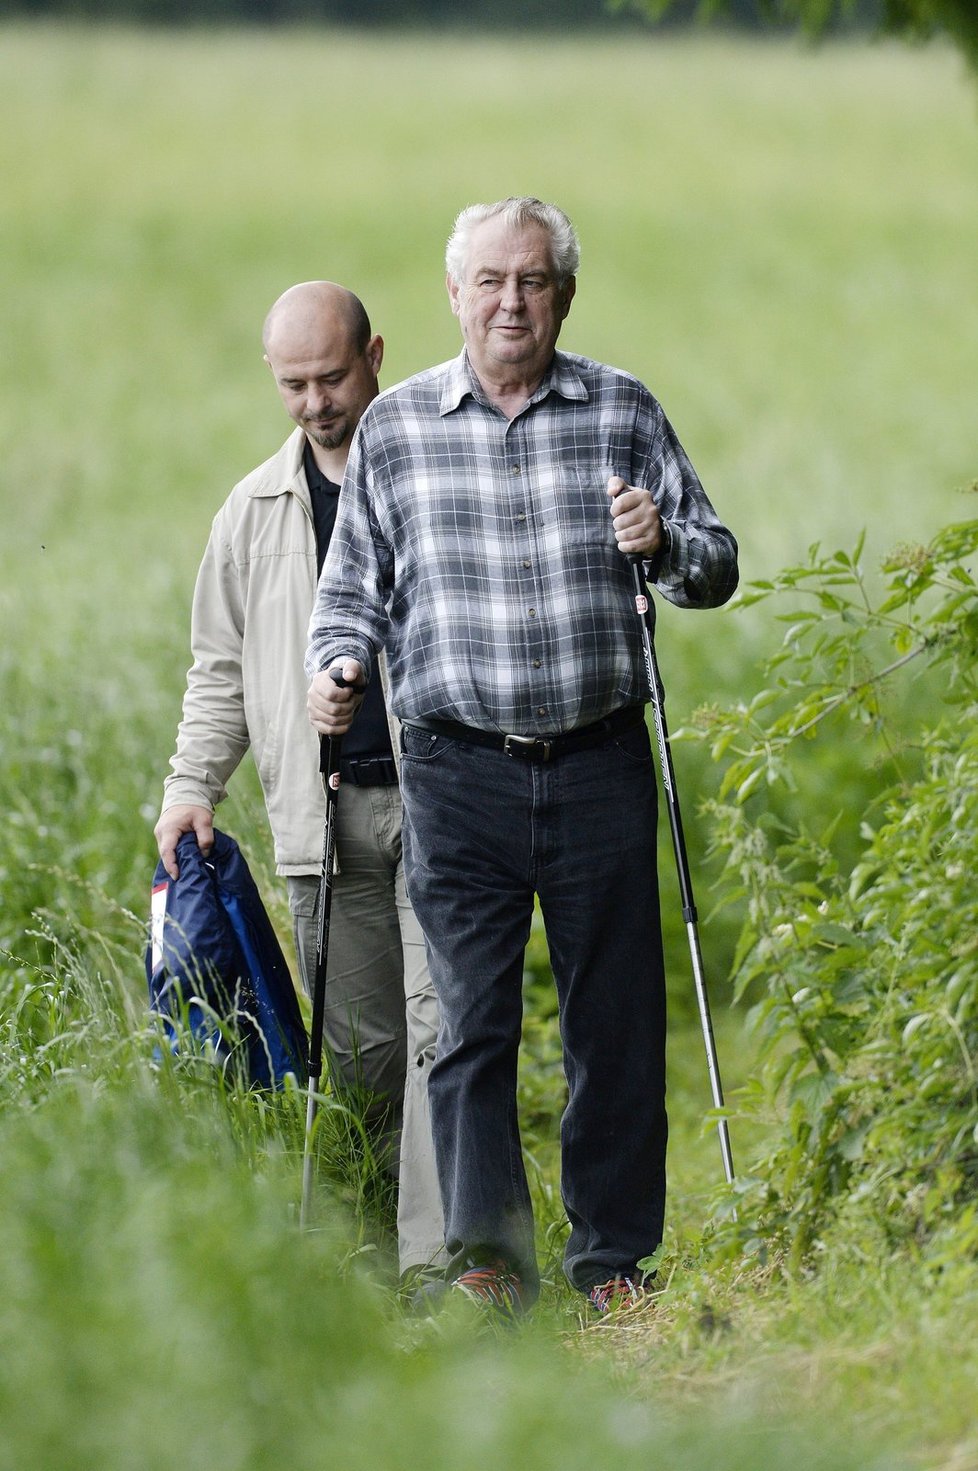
778, 240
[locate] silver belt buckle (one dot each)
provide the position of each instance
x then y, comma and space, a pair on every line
512, 741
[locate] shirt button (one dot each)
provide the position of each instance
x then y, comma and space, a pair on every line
521, 517
516, 469
541, 709
537, 663
527, 562
531, 612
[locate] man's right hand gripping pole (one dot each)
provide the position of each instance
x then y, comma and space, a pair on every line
335, 696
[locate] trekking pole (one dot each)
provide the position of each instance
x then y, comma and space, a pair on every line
329, 765
646, 612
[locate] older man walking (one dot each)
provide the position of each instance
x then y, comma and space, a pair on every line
252, 601
488, 510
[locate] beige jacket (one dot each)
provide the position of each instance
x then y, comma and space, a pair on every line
246, 687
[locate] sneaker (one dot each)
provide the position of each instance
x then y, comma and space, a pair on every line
615, 1295
422, 1288
493, 1286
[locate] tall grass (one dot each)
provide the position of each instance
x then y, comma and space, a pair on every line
780, 243
794, 281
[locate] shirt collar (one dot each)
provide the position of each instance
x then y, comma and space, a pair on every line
561, 377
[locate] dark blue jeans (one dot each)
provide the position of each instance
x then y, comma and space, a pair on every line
483, 833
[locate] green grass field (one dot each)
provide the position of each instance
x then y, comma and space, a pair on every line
781, 243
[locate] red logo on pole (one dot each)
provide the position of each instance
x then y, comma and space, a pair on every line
642, 604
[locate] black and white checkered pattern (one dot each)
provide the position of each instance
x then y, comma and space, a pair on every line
481, 550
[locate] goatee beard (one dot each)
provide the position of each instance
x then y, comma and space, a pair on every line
326, 438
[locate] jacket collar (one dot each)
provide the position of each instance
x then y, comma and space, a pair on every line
284, 472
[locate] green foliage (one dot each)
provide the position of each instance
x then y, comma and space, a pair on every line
921, 18
867, 978
913, 19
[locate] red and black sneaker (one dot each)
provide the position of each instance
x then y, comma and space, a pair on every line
493, 1286
616, 1294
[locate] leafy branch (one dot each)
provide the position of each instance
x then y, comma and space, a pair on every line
913, 20
837, 656
862, 976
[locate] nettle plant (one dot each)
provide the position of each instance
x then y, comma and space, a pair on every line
861, 970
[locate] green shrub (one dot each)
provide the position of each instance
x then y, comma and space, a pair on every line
864, 975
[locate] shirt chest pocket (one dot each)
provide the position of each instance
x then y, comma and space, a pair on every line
574, 510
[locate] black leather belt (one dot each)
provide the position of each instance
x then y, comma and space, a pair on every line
539, 748
368, 771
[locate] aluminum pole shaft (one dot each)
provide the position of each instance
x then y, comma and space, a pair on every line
646, 614
330, 766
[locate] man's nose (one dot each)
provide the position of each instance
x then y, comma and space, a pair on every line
512, 294
317, 399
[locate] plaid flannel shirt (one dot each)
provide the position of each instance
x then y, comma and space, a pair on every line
481, 551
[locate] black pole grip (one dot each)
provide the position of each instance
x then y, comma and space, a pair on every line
324, 741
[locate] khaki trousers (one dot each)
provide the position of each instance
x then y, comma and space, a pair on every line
381, 1015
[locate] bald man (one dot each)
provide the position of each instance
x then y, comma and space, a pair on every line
246, 688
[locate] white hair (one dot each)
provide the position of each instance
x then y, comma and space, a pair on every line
516, 212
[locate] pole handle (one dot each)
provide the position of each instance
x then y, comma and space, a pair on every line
325, 742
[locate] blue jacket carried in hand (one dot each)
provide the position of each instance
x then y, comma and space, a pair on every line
215, 967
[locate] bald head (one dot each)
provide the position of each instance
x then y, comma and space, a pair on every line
325, 362
314, 310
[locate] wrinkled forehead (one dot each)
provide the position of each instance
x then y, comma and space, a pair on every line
509, 248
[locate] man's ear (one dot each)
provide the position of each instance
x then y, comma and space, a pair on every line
375, 352
453, 292
570, 286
